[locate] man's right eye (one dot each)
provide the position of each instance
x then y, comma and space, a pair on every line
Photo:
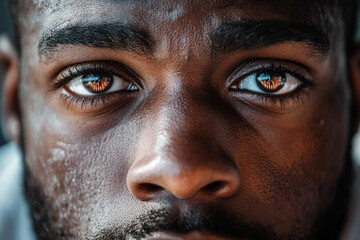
95, 84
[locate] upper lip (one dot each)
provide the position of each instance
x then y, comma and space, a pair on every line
186, 236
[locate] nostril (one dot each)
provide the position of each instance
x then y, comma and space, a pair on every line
159, 178
214, 186
145, 191
149, 188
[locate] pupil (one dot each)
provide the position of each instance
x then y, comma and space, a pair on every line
270, 82
97, 83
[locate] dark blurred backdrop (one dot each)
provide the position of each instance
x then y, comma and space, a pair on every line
4, 29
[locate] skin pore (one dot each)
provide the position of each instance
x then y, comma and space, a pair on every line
184, 143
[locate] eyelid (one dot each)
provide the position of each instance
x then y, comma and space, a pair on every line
106, 68
257, 65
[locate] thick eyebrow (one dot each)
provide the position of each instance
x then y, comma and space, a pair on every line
232, 36
101, 35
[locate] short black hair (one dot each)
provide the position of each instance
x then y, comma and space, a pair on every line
348, 8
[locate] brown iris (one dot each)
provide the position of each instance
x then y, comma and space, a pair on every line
270, 82
97, 83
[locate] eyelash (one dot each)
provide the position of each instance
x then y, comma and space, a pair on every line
96, 68
93, 68
282, 100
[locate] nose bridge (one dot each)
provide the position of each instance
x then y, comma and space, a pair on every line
181, 122
178, 154
175, 132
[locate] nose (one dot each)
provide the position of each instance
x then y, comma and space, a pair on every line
182, 167
178, 154
148, 179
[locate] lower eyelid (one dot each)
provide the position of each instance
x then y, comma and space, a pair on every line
96, 104
271, 103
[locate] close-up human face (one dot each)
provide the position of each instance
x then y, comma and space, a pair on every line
182, 119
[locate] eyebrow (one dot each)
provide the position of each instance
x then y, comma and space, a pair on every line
229, 37
232, 36
101, 35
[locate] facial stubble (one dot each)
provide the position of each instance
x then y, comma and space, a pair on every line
206, 217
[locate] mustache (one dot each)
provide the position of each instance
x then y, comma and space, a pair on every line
215, 220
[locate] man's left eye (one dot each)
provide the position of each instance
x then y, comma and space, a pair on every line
268, 83
96, 84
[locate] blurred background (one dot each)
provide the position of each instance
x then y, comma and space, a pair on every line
4, 28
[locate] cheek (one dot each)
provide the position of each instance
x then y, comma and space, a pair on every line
80, 166
290, 168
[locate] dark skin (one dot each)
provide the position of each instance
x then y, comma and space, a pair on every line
176, 144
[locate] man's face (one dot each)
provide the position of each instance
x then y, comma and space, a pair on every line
181, 118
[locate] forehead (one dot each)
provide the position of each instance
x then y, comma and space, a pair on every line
176, 21
57, 11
